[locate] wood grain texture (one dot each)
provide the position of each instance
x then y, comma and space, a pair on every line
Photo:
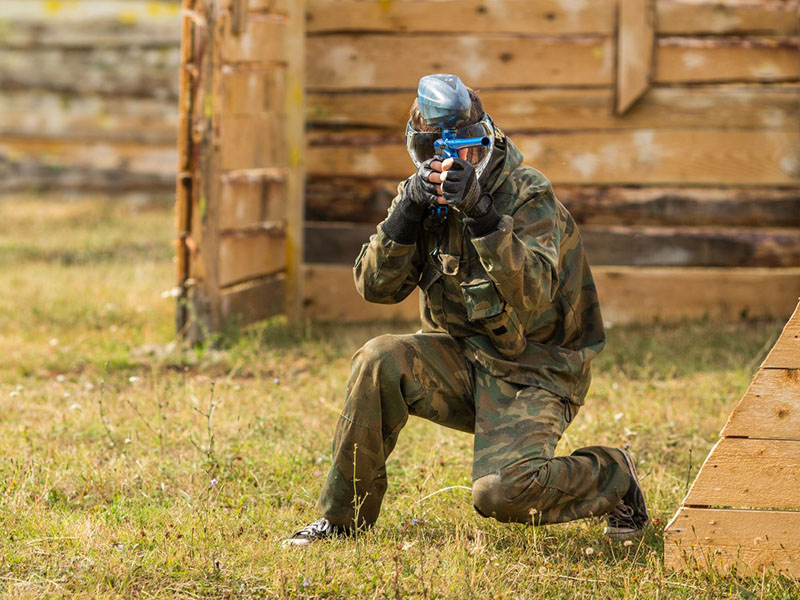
749, 541
635, 45
40, 113
732, 105
47, 163
124, 71
337, 242
264, 40
92, 23
786, 352
770, 409
732, 475
690, 60
641, 294
245, 204
679, 17
675, 206
253, 91
252, 141
253, 301
330, 295
347, 61
367, 200
652, 157
546, 17
627, 294
246, 256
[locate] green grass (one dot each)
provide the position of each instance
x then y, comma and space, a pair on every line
132, 466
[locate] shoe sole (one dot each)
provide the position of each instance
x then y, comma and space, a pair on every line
621, 535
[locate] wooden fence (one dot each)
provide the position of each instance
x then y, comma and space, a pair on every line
670, 129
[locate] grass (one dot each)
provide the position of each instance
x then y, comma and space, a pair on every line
133, 466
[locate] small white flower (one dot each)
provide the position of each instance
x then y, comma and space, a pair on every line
588, 551
214, 482
127, 440
14, 393
133, 379
60, 378
75, 406
53, 342
171, 293
627, 543
276, 381
618, 416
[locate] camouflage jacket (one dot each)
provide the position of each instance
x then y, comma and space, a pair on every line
520, 300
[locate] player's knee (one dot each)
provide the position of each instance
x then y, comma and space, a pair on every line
510, 495
377, 352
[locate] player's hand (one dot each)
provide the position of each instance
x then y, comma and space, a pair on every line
460, 187
426, 185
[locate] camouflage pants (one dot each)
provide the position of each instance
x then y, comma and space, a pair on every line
515, 475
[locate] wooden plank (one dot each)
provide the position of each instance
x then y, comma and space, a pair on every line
688, 60
253, 91
733, 475
330, 295
95, 23
691, 247
253, 301
627, 294
262, 42
348, 199
250, 203
654, 157
786, 352
40, 113
249, 255
641, 294
547, 17
367, 200
345, 61
682, 17
635, 41
733, 105
294, 143
42, 163
123, 71
252, 141
751, 541
770, 409
336, 242
674, 206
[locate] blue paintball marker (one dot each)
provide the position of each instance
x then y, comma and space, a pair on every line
444, 103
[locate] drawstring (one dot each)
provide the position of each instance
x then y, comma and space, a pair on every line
567, 409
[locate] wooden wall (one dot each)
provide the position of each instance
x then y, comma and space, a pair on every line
701, 171
89, 94
670, 128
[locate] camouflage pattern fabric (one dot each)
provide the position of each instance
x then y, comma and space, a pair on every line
510, 324
516, 477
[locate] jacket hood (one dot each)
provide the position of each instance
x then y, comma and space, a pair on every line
505, 158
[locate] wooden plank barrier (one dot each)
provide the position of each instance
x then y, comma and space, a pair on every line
762, 436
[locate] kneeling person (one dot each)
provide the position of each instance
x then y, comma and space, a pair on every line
510, 324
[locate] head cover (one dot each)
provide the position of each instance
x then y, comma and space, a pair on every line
443, 101
421, 144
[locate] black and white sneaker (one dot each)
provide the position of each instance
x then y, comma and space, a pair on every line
629, 517
314, 532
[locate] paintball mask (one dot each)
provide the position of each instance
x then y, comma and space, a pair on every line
444, 103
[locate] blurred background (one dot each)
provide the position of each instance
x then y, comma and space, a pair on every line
669, 128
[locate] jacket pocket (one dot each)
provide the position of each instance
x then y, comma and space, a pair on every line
500, 321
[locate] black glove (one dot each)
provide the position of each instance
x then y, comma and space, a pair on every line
422, 189
419, 194
462, 190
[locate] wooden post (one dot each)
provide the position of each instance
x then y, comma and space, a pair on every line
294, 128
635, 42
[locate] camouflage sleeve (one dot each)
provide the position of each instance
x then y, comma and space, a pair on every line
522, 255
386, 271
